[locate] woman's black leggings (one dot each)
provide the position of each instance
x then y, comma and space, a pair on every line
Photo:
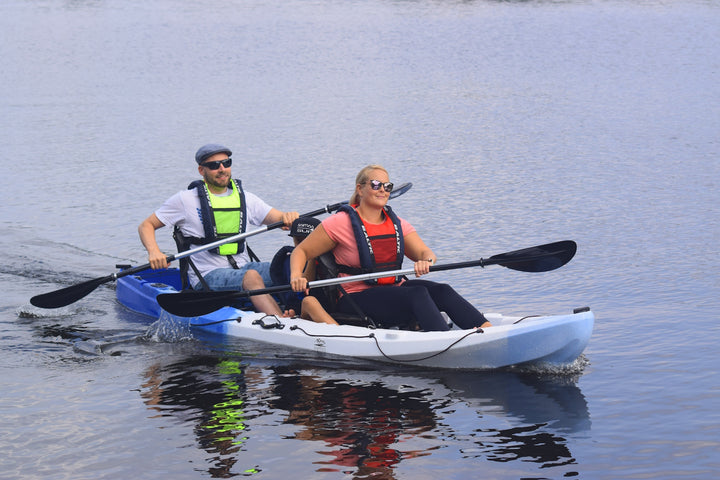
415, 301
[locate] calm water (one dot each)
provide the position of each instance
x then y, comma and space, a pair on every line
519, 123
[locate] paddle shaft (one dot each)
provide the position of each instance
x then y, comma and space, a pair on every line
66, 296
362, 277
542, 258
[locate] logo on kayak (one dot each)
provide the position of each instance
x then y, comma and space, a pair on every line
320, 345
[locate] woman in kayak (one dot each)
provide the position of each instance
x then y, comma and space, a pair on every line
366, 236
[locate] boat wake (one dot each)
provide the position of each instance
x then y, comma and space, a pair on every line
29, 311
569, 370
167, 329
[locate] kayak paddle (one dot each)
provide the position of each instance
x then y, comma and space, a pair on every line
541, 258
66, 296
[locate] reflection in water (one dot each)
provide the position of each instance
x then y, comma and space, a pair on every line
361, 420
359, 423
524, 443
208, 392
552, 400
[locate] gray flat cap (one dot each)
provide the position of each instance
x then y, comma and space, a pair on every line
209, 150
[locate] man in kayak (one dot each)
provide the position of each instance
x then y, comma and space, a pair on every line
210, 209
366, 236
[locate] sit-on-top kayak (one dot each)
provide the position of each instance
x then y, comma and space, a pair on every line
554, 340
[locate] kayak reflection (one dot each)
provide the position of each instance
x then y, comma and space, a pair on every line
365, 420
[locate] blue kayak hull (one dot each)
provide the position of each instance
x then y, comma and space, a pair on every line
548, 340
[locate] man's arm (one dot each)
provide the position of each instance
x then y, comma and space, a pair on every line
275, 216
146, 230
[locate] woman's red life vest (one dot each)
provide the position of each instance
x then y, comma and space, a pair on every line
381, 247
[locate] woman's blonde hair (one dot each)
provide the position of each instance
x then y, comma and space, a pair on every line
362, 178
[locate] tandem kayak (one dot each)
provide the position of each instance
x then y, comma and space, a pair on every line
552, 340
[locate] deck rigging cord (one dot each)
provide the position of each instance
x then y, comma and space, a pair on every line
279, 325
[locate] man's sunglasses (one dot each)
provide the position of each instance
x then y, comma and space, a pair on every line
215, 165
376, 184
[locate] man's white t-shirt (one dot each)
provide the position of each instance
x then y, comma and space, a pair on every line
183, 210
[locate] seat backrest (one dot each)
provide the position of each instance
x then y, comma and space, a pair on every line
280, 274
182, 245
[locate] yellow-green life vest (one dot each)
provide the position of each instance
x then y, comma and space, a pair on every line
222, 216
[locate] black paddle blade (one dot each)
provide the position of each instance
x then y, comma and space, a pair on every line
542, 258
193, 304
397, 191
66, 296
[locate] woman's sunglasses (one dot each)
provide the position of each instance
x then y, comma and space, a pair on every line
215, 165
376, 184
